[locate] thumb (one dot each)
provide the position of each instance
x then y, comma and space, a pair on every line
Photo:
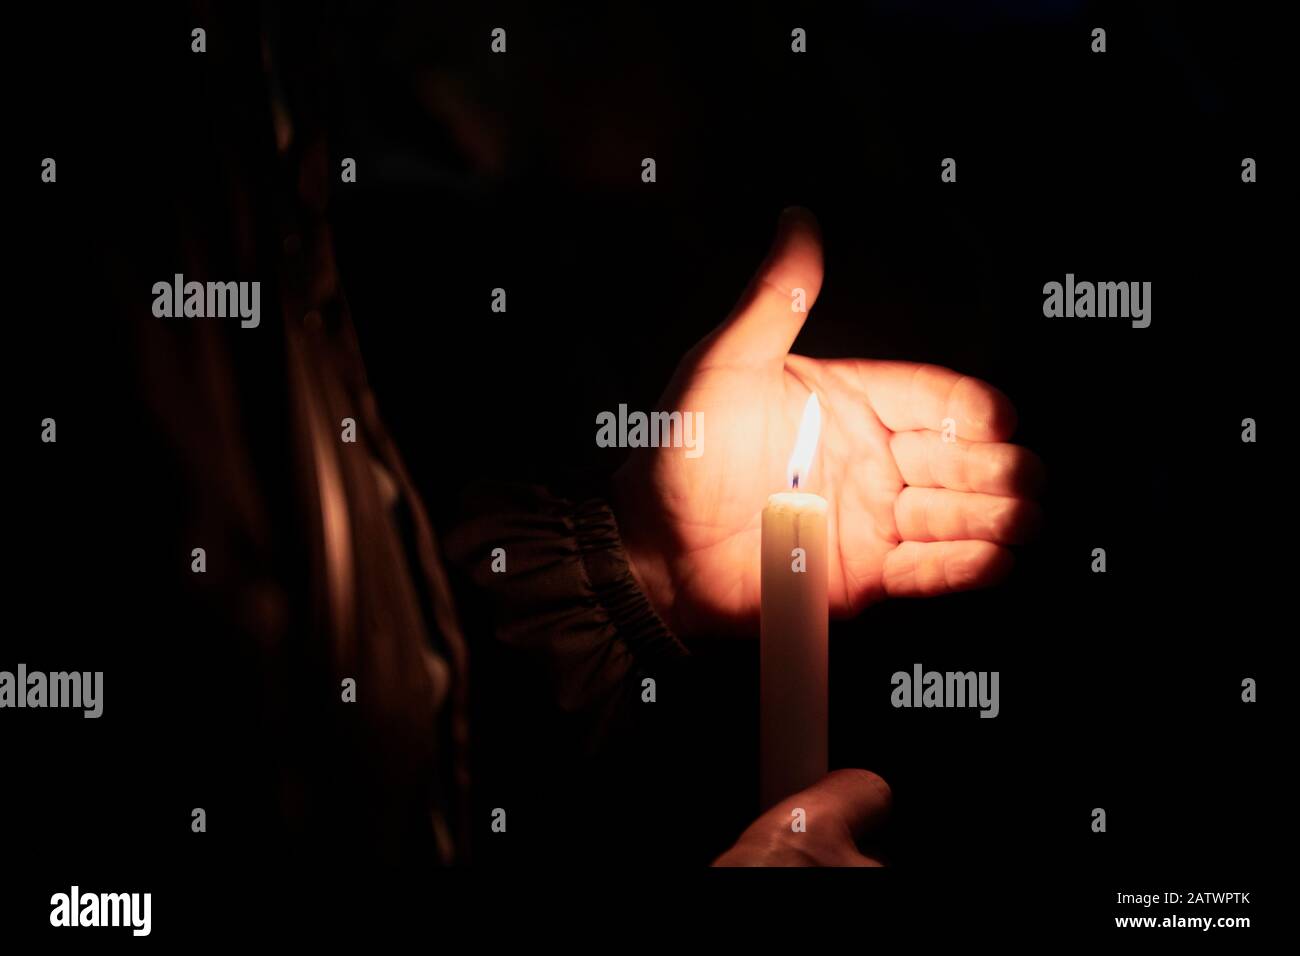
859, 799
771, 311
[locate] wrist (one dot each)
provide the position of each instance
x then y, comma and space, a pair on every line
644, 556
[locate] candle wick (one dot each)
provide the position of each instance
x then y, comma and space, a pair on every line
795, 485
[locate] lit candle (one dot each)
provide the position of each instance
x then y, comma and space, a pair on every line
793, 638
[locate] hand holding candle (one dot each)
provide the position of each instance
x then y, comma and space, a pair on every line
909, 512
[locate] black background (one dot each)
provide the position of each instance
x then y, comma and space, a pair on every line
1119, 690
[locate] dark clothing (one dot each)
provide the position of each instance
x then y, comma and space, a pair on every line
322, 565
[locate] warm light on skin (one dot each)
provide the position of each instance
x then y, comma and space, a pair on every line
805, 446
909, 514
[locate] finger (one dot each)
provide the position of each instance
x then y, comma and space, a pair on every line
908, 396
926, 460
937, 514
918, 569
838, 809
857, 798
770, 313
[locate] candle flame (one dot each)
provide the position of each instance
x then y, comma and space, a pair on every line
805, 445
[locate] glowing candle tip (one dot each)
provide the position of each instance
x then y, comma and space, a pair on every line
805, 445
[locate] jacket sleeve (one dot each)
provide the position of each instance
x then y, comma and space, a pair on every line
546, 573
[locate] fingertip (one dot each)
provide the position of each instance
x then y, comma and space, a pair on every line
1028, 473
862, 798
868, 780
1018, 521
990, 412
796, 214
797, 250
1031, 519
983, 564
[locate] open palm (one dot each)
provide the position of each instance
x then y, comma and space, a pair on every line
923, 491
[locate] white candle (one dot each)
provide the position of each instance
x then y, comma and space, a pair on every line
793, 639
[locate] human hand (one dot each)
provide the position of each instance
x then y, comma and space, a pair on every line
924, 491
838, 810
